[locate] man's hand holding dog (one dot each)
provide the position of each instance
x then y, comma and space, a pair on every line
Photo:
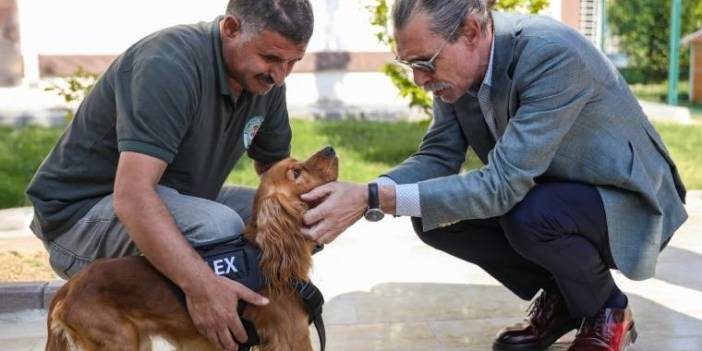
342, 205
212, 300
212, 304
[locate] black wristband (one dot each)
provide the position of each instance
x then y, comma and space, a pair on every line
373, 198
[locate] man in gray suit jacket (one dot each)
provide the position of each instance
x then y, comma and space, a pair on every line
576, 180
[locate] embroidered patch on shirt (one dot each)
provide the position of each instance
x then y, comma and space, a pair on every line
251, 129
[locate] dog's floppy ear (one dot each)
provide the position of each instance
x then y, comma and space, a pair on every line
269, 213
293, 205
274, 208
279, 233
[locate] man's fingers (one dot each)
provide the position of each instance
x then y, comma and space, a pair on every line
313, 233
328, 236
317, 193
307, 231
213, 338
319, 232
251, 297
236, 327
313, 216
226, 340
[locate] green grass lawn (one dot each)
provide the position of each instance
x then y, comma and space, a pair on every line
366, 149
21, 152
658, 92
685, 145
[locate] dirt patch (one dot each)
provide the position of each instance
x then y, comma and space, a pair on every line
23, 266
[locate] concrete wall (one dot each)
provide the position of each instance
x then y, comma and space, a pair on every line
105, 27
11, 66
339, 75
108, 27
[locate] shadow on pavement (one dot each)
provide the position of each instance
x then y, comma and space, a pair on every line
680, 267
427, 316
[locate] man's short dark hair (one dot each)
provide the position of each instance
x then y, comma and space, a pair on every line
293, 19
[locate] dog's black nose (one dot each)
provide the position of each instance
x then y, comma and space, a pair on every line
329, 151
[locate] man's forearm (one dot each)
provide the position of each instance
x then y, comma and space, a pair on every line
151, 226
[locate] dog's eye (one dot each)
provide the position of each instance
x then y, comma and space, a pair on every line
296, 172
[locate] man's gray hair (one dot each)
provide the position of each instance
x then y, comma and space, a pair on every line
444, 15
293, 19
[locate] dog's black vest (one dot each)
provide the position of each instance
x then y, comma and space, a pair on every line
236, 259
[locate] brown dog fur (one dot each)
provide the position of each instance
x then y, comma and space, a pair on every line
121, 303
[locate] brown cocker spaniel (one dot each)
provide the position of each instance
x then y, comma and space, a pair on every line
121, 303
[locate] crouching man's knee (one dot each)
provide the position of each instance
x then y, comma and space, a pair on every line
214, 223
428, 237
525, 230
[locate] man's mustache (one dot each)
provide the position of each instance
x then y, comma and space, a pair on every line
266, 78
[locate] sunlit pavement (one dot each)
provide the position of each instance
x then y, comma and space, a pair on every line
386, 290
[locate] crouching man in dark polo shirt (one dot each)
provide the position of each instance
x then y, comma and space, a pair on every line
141, 168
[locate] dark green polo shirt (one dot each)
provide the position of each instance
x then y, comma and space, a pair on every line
167, 97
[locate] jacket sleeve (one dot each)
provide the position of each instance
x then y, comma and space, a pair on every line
441, 153
553, 86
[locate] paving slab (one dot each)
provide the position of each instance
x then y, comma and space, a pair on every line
21, 295
388, 291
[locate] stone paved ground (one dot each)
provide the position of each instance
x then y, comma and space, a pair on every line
385, 290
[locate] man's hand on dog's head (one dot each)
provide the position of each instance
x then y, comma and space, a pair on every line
341, 205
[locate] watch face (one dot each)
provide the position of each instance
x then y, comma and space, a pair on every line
374, 214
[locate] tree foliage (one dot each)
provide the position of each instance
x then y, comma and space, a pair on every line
643, 30
74, 89
400, 77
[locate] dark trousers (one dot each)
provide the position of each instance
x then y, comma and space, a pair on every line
555, 238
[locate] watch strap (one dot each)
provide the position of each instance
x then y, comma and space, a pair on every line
373, 196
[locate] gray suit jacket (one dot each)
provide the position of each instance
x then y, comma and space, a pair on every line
564, 112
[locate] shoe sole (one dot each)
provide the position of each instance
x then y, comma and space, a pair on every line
537, 346
631, 337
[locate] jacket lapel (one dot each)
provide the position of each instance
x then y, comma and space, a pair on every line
467, 107
504, 27
470, 117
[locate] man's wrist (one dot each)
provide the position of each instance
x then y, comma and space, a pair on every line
387, 199
362, 203
363, 190
195, 280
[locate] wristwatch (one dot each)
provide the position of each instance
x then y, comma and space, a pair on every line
373, 213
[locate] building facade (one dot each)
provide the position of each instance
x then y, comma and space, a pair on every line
338, 77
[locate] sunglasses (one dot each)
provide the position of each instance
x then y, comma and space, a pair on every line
426, 66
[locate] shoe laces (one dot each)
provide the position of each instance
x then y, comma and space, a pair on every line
598, 325
538, 304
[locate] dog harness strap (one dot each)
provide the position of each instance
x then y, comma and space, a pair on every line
234, 258
313, 300
319, 325
252, 334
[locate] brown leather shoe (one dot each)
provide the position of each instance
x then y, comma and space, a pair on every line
612, 329
547, 320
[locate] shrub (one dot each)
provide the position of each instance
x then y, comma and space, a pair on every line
21, 152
